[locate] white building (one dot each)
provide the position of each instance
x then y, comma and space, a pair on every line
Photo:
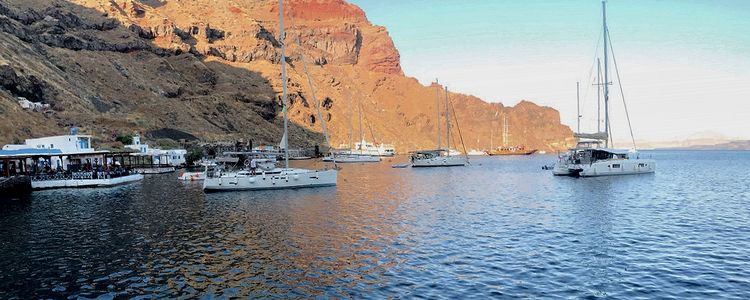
68, 144
173, 157
55, 145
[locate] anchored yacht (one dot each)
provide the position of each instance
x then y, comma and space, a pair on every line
592, 155
359, 154
440, 157
436, 158
262, 174
589, 159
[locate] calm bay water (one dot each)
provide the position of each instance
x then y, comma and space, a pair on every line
499, 228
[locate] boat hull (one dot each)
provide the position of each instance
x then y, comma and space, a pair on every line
355, 158
607, 168
500, 153
289, 179
155, 170
84, 183
619, 167
193, 176
442, 161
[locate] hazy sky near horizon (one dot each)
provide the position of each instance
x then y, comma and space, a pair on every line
684, 64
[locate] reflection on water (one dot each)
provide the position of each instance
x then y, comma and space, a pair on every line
499, 228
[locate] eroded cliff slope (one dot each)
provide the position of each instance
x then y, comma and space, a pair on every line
211, 68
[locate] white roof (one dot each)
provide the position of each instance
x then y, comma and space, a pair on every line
61, 136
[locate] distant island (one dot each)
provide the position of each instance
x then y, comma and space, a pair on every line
731, 145
707, 140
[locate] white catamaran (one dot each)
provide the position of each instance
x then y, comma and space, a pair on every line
266, 175
439, 157
592, 155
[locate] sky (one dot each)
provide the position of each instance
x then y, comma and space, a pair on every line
684, 64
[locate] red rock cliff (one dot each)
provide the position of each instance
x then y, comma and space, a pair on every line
198, 65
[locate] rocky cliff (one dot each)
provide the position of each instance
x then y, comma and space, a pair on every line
211, 68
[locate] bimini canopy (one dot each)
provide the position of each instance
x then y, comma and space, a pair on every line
614, 151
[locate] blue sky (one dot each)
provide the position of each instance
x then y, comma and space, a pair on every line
685, 64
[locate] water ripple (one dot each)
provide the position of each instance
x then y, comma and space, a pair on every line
501, 228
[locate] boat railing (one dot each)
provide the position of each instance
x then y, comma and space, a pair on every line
82, 175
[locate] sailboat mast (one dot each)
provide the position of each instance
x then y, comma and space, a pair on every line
447, 123
283, 84
505, 131
578, 103
437, 104
598, 95
606, 71
351, 123
361, 132
492, 129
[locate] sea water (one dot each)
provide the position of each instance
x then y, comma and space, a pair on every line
499, 228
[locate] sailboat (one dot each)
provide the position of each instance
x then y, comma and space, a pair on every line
506, 149
357, 155
439, 157
592, 155
263, 174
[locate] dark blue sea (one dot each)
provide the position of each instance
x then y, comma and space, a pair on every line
500, 228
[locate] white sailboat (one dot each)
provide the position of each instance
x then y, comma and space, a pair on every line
593, 156
358, 154
266, 175
439, 157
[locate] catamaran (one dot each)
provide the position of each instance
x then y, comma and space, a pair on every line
592, 155
265, 174
439, 157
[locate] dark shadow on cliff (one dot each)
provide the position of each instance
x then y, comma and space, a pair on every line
109, 78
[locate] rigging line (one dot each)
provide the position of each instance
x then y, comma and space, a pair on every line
593, 64
290, 24
369, 124
459, 129
591, 71
372, 134
351, 117
317, 103
622, 93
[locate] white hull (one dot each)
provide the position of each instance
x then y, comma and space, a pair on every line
285, 179
607, 168
300, 158
561, 170
441, 161
193, 176
84, 183
379, 152
371, 152
155, 170
366, 148
352, 158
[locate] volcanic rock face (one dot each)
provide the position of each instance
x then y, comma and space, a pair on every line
211, 68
